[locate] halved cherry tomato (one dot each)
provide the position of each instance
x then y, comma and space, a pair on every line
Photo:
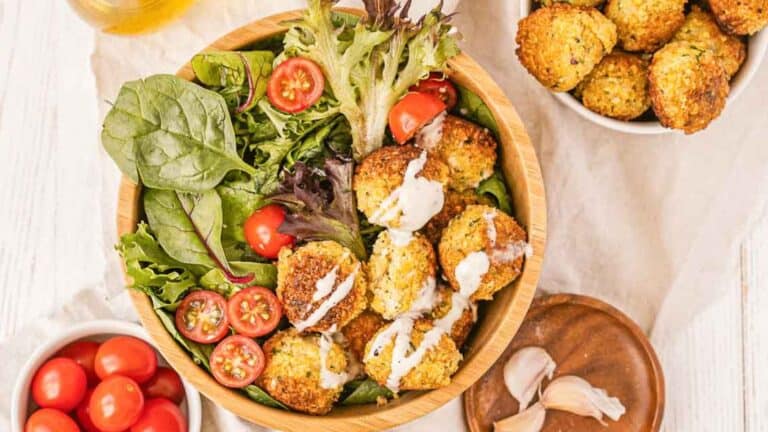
84, 354
237, 361
116, 404
261, 231
160, 415
83, 414
295, 85
50, 420
254, 311
60, 383
411, 113
439, 86
202, 317
165, 384
127, 356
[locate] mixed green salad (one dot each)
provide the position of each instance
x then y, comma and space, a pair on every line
260, 127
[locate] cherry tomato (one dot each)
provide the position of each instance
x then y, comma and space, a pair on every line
60, 383
237, 361
84, 354
165, 384
116, 404
83, 414
202, 317
254, 311
261, 231
295, 85
411, 113
127, 356
160, 415
439, 86
50, 420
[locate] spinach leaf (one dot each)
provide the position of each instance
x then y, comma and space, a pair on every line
364, 391
495, 188
239, 76
471, 107
201, 353
264, 274
171, 134
239, 199
257, 394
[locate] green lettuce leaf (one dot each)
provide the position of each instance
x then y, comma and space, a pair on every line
472, 108
264, 274
239, 76
495, 188
257, 394
363, 391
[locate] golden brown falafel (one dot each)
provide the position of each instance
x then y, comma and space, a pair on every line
483, 229
582, 3
468, 149
361, 330
465, 321
434, 369
561, 44
740, 17
701, 29
688, 86
645, 25
298, 273
401, 277
293, 373
617, 87
383, 171
455, 203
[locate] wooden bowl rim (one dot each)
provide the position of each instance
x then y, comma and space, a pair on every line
412, 405
639, 335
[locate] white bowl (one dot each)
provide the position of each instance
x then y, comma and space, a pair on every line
756, 47
93, 330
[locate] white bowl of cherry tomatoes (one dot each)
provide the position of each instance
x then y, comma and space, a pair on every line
102, 376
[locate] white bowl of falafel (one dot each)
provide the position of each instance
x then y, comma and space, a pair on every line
647, 67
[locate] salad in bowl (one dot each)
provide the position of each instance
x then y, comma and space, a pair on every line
322, 211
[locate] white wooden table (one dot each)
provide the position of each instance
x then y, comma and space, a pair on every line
51, 226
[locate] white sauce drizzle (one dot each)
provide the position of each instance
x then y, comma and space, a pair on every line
337, 296
511, 251
416, 200
325, 284
430, 135
328, 378
427, 297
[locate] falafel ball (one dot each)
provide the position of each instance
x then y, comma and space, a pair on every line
688, 86
582, 3
435, 367
455, 203
645, 25
701, 29
482, 235
468, 149
310, 281
618, 87
294, 371
383, 171
462, 326
361, 330
740, 17
402, 276
561, 44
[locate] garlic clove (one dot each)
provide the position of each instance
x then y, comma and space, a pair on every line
525, 371
530, 420
577, 396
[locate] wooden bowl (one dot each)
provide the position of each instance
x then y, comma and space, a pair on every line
496, 327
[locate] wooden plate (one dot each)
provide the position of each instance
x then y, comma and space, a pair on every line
495, 329
587, 338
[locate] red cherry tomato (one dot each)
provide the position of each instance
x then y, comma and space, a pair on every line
160, 415
116, 404
439, 86
202, 317
261, 231
411, 113
165, 384
60, 383
295, 85
83, 414
237, 361
50, 420
254, 311
84, 354
127, 356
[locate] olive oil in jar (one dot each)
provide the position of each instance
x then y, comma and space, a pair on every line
127, 17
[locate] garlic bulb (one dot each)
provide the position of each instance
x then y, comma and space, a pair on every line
525, 371
575, 395
530, 420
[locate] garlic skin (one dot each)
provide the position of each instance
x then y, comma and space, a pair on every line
575, 395
525, 371
530, 420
